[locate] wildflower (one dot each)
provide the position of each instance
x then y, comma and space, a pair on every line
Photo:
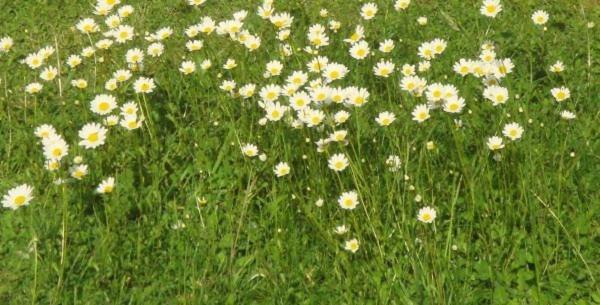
281, 169
491, 8
106, 186
250, 150
383, 68
103, 104
495, 143
540, 17
421, 113
557, 67
79, 171
352, 245
426, 215
360, 50
348, 200
368, 11
92, 135
385, 118
512, 131
17, 197
144, 85
187, 67
560, 94
567, 115
338, 162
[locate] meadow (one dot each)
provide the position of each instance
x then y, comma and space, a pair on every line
299, 152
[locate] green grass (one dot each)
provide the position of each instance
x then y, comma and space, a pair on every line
523, 230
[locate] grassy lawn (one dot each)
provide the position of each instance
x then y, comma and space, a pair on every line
195, 218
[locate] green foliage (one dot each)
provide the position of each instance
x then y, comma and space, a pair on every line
523, 230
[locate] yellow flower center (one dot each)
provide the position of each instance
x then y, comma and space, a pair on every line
20, 200
57, 152
104, 106
93, 137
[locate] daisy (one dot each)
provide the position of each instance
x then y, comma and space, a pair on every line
358, 34
393, 162
34, 60
275, 111
401, 4
334, 71
561, 94
125, 11
540, 17
34, 88
122, 75
463, 67
352, 245
92, 135
74, 61
144, 85
512, 131
45, 131
348, 200
340, 230
17, 197
134, 56
491, 8
274, 68
187, 67
130, 122
426, 215
247, 91
357, 96
194, 45
368, 11
113, 21
49, 73
250, 150
385, 118
557, 67
313, 117
317, 64
386, 46
196, 2
338, 136
426, 51
206, 64
338, 162
79, 171
498, 95
156, 49
230, 64
281, 169
495, 143
454, 105
360, 50
87, 26
103, 104
383, 68
421, 113
106, 186
228, 85
123, 33
6, 43
341, 117
55, 148
567, 115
